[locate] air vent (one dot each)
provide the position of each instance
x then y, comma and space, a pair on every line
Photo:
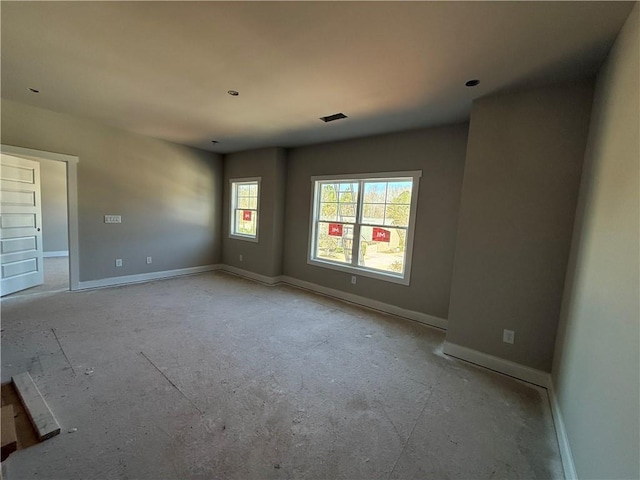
331, 118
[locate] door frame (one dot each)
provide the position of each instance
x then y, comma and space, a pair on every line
72, 201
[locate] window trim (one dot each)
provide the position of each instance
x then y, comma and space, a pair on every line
359, 270
232, 204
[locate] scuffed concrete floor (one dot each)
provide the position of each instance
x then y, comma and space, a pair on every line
212, 376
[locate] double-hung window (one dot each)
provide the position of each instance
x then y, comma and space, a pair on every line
245, 201
364, 224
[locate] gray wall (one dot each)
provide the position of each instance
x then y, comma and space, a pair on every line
265, 256
523, 166
53, 188
596, 369
169, 196
439, 153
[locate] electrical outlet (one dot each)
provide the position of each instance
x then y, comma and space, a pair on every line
508, 336
118, 262
353, 279
149, 260
240, 257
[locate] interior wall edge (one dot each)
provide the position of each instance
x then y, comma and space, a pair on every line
143, 277
561, 433
597, 338
501, 365
423, 318
258, 277
522, 172
530, 375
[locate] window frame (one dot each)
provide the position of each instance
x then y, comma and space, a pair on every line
361, 178
233, 183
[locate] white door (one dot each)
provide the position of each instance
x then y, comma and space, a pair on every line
20, 223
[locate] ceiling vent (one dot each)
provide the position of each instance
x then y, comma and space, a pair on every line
331, 118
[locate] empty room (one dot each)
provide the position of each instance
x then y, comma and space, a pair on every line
320, 240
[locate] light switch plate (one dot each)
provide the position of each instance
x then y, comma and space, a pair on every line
113, 219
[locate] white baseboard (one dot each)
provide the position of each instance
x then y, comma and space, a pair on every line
528, 374
420, 317
61, 253
251, 275
340, 295
561, 433
513, 369
144, 277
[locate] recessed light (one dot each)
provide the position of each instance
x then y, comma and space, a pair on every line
34, 90
472, 83
331, 118
233, 93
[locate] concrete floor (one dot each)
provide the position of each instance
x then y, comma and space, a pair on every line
213, 376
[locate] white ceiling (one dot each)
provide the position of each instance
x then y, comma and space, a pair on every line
163, 69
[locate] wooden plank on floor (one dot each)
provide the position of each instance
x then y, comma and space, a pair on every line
39, 412
8, 435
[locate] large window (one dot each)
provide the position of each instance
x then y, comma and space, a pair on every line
245, 200
364, 224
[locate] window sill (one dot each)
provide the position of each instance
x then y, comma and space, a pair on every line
246, 238
360, 271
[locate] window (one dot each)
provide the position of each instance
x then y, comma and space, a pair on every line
364, 224
245, 199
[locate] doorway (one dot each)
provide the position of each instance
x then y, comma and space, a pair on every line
59, 219
55, 227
